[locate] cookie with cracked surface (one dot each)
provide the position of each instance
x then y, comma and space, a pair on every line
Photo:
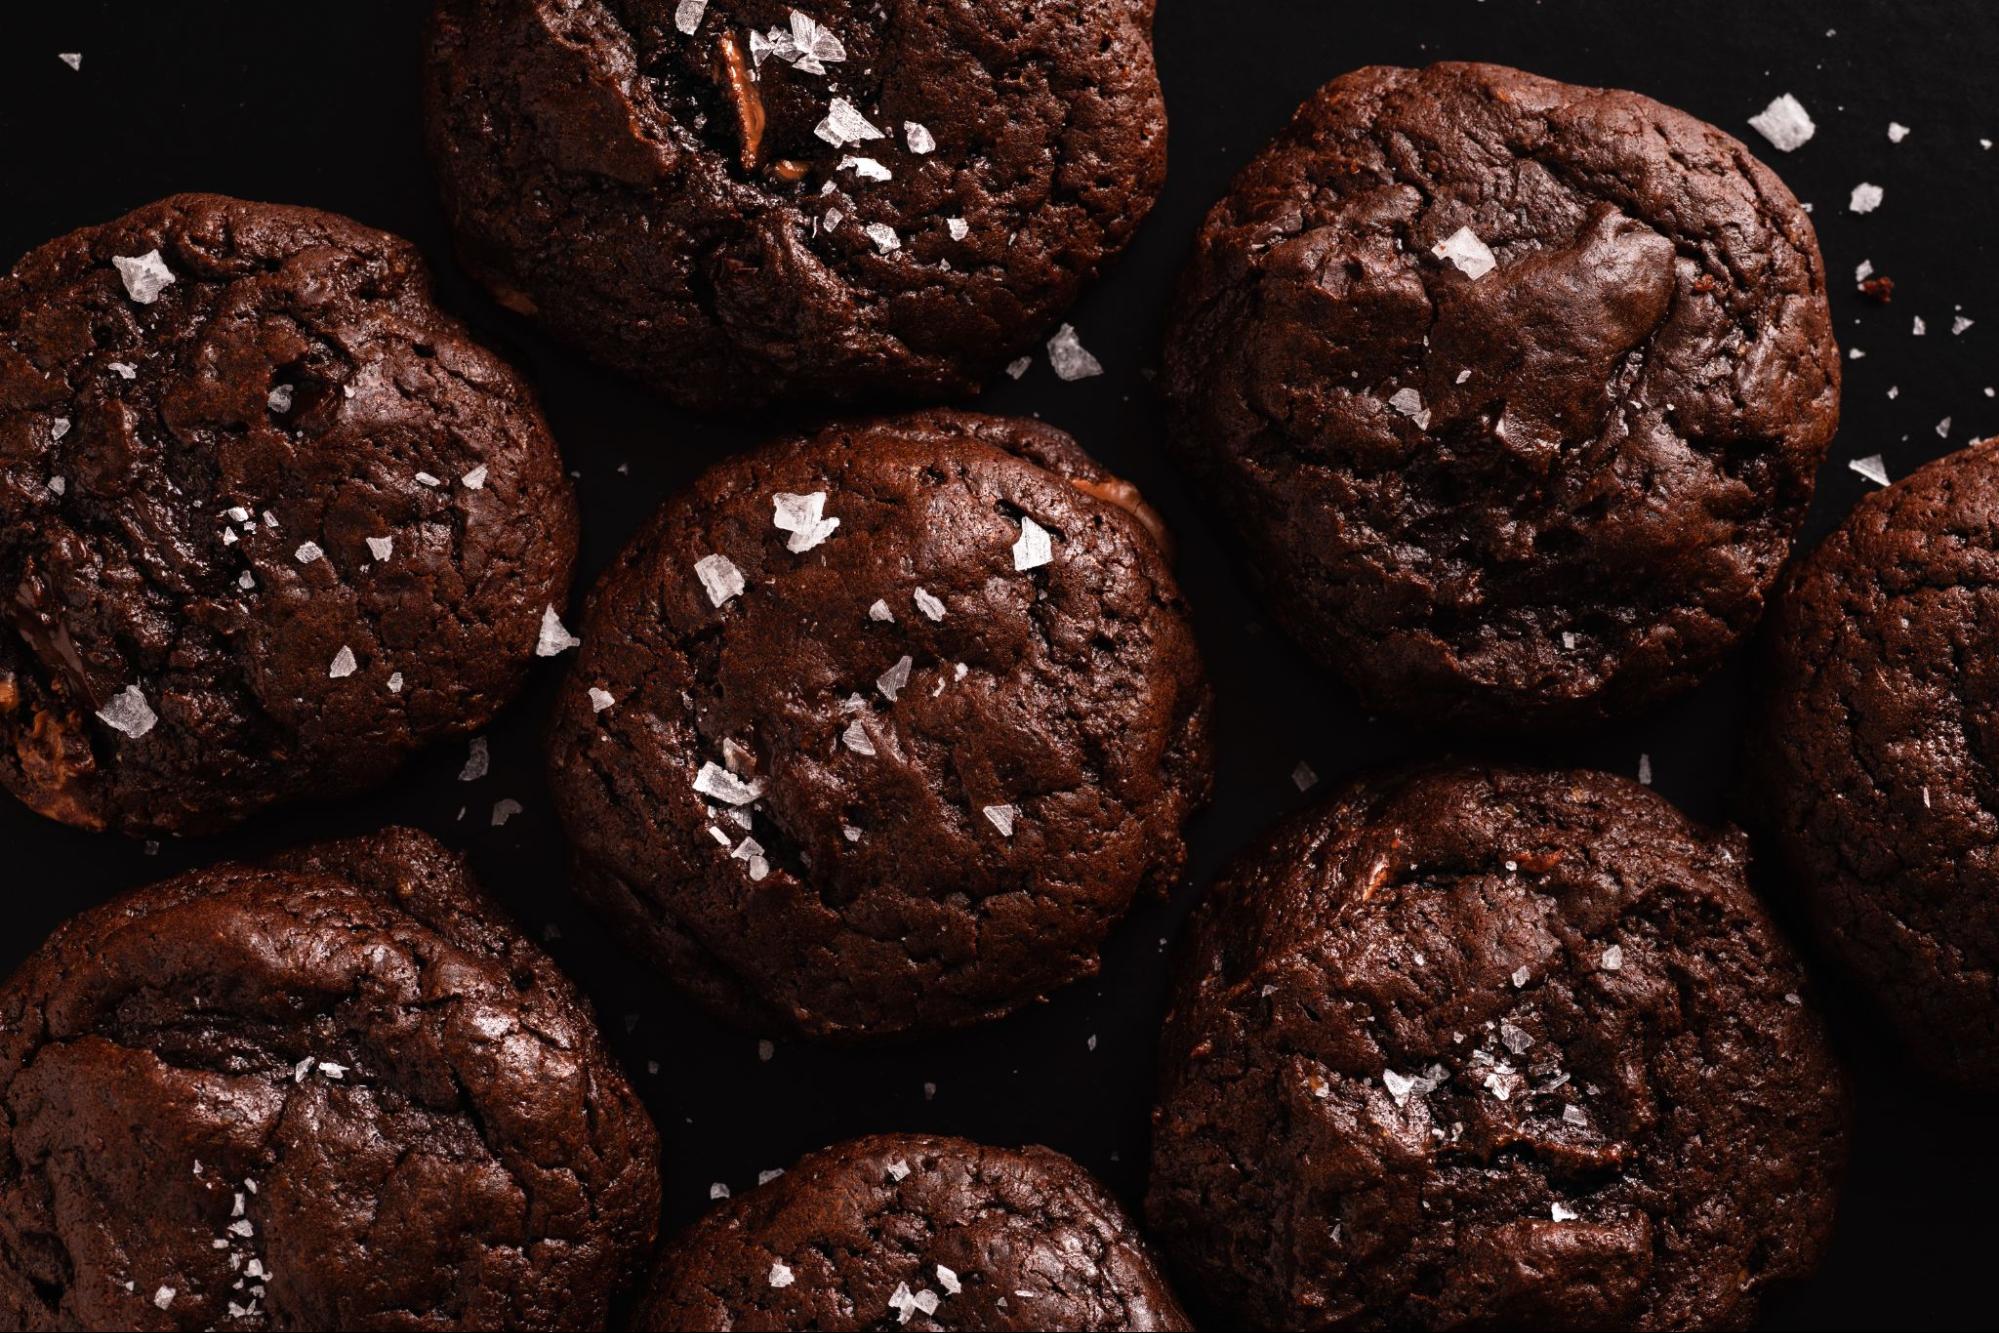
1513, 392
880, 731
333, 1090
1872, 769
758, 200
269, 520
1487, 1047
915, 1231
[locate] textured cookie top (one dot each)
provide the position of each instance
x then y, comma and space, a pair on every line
881, 730
1488, 1047
1876, 756
269, 521
754, 199
919, 1232
1514, 390
334, 1091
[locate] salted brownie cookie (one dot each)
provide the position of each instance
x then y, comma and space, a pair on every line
269, 520
920, 1232
881, 730
1492, 1048
1513, 391
334, 1090
1874, 769
754, 200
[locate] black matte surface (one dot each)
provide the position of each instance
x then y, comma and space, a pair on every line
316, 103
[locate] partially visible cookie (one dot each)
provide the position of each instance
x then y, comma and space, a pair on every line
1874, 766
269, 520
1492, 1048
1513, 391
758, 200
920, 1232
882, 730
336, 1090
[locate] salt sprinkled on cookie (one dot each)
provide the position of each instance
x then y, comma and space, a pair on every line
1464, 249
145, 276
803, 516
718, 782
687, 16
128, 712
1068, 356
1034, 549
719, 577
554, 640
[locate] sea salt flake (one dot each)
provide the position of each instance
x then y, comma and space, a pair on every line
892, 681
1520, 976
1613, 958
1645, 769
718, 782
687, 16
959, 229
129, 713
74, 59
1573, 1115
766, 1049
902, 1302
503, 810
124, 370
307, 553
926, 1300
343, 664
381, 547
880, 612
1068, 356
1303, 778
884, 236
475, 479
1943, 429
857, 739
1865, 198
1015, 369
332, 1070
1409, 402
600, 699
554, 640
866, 168
898, 1169
948, 1279
1463, 248
803, 516
844, 125
718, 1190
1398, 1085
780, 1276
478, 760
279, 399
57, 485
1918, 328
1562, 1212
1960, 324
1873, 467
919, 138
1897, 131
719, 578
1785, 123
1515, 1038
396, 683
1034, 549
164, 1297
425, 479
145, 276
1001, 817
1863, 271
929, 605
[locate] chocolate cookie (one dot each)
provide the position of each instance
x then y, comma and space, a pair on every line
920, 1232
1513, 391
752, 200
1874, 767
269, 521
881, 731
336, 1090
1492, 1048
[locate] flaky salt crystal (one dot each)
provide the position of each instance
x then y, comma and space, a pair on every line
145, 276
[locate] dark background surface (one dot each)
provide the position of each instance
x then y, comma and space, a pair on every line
317, 103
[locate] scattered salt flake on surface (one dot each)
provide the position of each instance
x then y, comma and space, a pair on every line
381, 547
804, 517
687, 15
958, 227
1613, 958
850, 833
765, 1050
1015, 369
1409, 402
1520, 976
1303, 778
1463, 248
929, 605
926, 1300
1001, 817
903, 1302
718, 1190
719, 577
898, 1169
1918, 328
1943, 429
718, 782
164, 1297
307, 553
279, 399
1573, 1115
145, 276
834, 217
1515, 1038
780, 1276
1785, 123
74, 59
396, 683
343, 664
124, 370
1864, 271
1866, 197
1068, 356
1034, 549
425, 479
478, 760
475, 479
844, 125
1562, 1212
856, 738
884, 236
1645, 769
1398, 1085
920, 139
948, 1279
57, 485
128, 712
892, 681
866, 168
58, 428
1873, 467
332, 1070
1897, 131
879, 611
503, 810
600, 699
554, 640
1960, 324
